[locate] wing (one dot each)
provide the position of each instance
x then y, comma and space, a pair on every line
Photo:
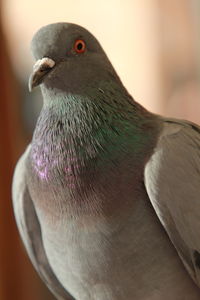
172, 180
30, 231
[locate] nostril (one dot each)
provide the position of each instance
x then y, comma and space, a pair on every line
44, 68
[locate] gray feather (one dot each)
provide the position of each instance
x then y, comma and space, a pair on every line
172, 181
30, 230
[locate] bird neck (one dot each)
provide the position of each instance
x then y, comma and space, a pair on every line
84, 142
98, 131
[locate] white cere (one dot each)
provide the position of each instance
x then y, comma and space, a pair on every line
44, 61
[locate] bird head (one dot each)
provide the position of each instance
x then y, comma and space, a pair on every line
68, 57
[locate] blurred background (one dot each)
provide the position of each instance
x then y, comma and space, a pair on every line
154, 46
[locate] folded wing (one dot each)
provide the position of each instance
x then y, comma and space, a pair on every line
172, 180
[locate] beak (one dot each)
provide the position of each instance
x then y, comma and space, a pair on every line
40, 70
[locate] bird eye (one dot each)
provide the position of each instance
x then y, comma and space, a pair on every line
79, 46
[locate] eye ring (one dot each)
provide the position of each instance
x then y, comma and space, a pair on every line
79, 46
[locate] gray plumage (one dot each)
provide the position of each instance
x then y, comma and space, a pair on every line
106, 195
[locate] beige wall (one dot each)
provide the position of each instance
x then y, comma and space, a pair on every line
152, 43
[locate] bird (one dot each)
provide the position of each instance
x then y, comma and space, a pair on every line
106, 195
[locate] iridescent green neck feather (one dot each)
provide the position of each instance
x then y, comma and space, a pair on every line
90, 131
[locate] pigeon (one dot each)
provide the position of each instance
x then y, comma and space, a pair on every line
106, 195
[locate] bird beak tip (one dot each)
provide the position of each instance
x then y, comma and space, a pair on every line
30, 83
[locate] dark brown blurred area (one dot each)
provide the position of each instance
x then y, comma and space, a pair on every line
162, 72
18, 280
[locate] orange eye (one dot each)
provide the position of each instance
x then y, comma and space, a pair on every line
79, 46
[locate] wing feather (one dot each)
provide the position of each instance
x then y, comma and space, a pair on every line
172, 180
